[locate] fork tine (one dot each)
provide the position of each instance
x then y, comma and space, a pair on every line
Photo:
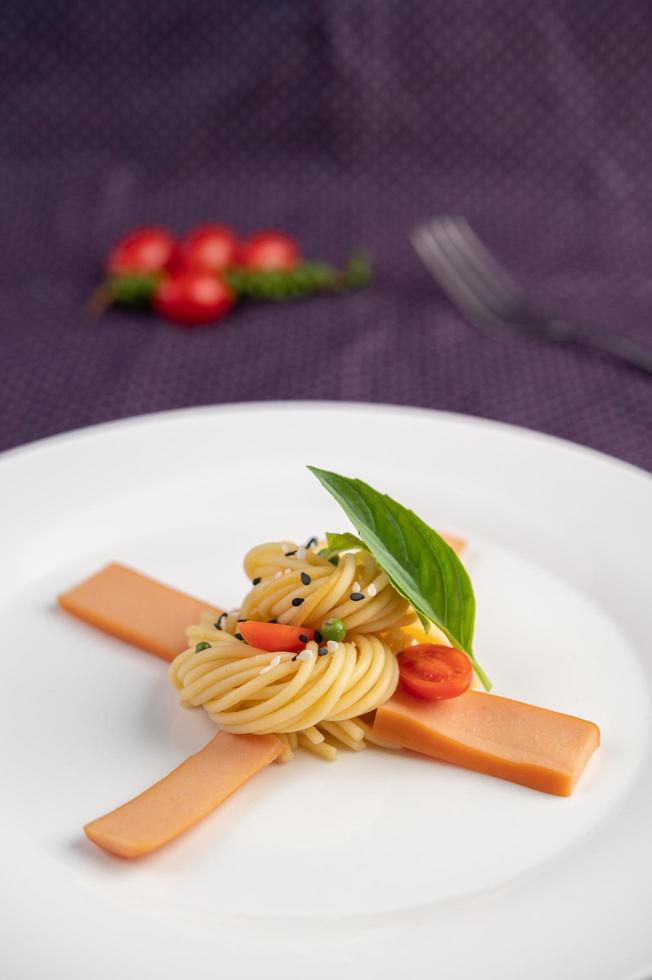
488, 269
429, 250
483, 276
430, 243
486, 294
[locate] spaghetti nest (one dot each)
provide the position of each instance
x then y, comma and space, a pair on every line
318, 698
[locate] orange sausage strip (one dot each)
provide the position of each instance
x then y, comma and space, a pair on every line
136, 609
532, 746
457, 544
182, 798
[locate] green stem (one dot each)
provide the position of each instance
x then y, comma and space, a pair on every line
98, 302
307, 279
484, 680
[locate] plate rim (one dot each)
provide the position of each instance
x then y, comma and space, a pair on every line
246, 407
587, 455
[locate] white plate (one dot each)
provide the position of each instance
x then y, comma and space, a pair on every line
380, 865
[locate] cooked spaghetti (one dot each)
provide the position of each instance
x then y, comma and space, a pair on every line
316, 698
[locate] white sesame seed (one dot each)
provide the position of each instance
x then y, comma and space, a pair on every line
306, 655
286, 547
265, 670
275, 661
371, 590
278, 574
288, 571
301, 554
332, 646
356, 587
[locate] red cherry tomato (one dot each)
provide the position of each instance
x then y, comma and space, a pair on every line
434, 672
142, 250
213, 248
192, 298
270, 250
275, 637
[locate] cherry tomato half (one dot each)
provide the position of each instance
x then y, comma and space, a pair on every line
142, 250
275, 637
271, 250
192, 298
212, 248
434, 673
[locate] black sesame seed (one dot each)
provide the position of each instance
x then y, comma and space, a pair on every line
239, 636
356, 596
305, 578
318, 636
303, 637
322, 651
297, 601
272, 620
311, 542
289, 554
220, 620
257, 581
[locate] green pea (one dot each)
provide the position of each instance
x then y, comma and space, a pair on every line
201, 646
333, 629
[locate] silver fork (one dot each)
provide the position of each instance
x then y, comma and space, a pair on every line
486, 294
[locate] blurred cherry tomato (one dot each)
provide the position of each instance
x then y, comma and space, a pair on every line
270, 250
192, 297
212, 248
142, 250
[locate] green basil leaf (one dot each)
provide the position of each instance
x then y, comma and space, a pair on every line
343, 542
340, 542
421, 566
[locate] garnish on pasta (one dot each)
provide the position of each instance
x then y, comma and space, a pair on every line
314, 657
312, 650
419, 563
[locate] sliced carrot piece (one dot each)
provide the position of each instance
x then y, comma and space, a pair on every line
180, 800
520, 742
275, 637
136, 609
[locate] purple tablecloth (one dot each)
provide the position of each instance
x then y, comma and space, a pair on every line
344, 122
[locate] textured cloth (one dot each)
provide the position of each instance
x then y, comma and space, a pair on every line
345, 122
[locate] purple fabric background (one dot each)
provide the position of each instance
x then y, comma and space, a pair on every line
344, 122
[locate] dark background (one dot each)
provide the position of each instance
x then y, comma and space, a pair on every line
344, 122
